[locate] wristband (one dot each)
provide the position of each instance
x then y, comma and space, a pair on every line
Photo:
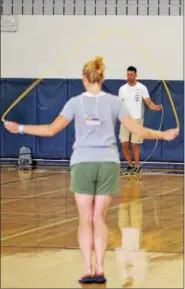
21, 129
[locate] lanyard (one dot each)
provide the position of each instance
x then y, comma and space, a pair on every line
96, 107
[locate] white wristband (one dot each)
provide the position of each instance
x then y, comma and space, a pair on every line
21, 129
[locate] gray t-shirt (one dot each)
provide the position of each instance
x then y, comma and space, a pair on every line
95, 120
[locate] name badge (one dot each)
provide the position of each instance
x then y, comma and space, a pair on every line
93, 121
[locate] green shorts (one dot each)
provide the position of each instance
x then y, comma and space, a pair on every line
95, 178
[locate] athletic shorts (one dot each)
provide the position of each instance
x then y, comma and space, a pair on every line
95, 178
126, 136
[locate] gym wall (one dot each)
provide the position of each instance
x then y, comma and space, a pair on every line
68, 42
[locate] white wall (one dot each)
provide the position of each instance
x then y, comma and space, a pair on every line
42, 41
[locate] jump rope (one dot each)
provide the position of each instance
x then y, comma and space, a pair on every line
157, 141
78, 50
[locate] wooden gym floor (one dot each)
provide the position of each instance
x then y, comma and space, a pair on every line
39, 226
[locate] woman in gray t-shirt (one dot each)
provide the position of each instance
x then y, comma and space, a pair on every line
95, 160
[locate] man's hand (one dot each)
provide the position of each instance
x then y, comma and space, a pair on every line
158, 107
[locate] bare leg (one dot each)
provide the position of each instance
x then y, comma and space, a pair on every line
136, 150
85, 232
101, 206
126, 152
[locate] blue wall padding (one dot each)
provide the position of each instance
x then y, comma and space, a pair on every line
2, 109
152, 119
44, 103
112, 86
174, 151
51, 97
24, 112
75, 87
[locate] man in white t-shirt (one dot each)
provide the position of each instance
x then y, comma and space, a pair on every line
134, 95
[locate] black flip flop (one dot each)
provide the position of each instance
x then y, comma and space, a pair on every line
86, 280
99, 279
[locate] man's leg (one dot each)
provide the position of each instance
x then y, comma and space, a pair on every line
124, 137
136, 141
136, 151
126, 152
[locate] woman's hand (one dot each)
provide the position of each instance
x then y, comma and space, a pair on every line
12, 127
170, 134
146, 133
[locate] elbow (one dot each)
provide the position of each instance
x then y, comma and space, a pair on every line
51, 132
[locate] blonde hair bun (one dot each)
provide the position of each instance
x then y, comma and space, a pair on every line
99, 64
94, 70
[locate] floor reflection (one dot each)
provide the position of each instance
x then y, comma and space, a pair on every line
131, 258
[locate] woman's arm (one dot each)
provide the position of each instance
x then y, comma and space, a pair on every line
146, 133
61, 121
40, 130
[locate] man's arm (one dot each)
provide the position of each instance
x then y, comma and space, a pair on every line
148, 101
151, 104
